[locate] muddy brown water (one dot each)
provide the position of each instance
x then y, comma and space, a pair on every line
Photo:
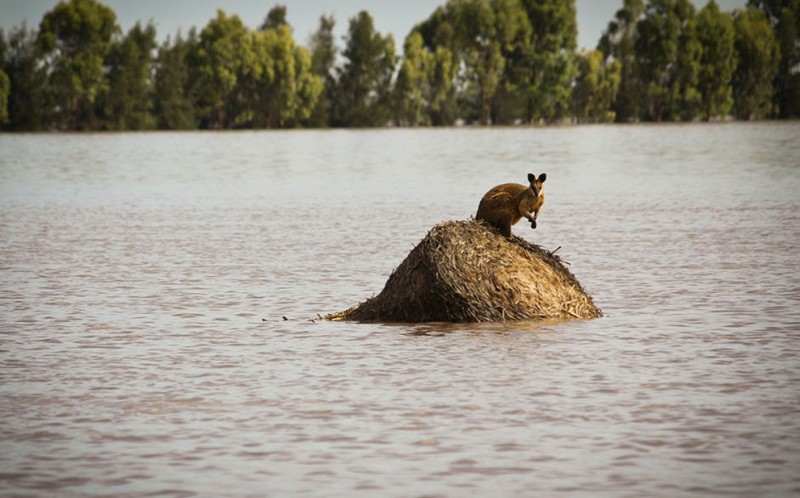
144, 279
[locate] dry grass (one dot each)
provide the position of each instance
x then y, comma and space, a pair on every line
465, 271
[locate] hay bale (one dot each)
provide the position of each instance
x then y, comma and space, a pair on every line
465, 271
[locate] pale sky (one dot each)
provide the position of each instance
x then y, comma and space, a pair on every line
396, 16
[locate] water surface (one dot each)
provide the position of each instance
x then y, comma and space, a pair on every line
144, 281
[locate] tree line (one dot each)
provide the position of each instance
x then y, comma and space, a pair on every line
470, 61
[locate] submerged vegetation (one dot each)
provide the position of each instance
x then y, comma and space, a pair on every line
472, 61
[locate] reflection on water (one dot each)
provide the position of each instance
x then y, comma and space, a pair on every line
145, 278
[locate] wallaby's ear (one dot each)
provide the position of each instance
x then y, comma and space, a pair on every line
531, 177
542, 177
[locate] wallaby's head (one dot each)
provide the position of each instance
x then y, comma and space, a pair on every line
537, 183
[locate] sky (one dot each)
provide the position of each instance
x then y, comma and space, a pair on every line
391, 16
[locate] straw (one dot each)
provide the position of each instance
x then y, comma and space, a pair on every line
466, 271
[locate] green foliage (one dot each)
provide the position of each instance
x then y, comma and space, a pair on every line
473, 61
667, 55
363, 91
74, 38
717, 61
784, 17
27, 104
323, 57
618, 43
596, 87
286, 89
550, 59
126, 102
424, 90
5, 88
276, 18
5, 84
759, 57
481, 50
223, 55
442, 107
244, 78
173, 107
412, 85
514, 57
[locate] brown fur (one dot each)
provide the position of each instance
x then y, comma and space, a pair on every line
504, 205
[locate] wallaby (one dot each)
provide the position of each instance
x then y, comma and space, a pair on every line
506, 204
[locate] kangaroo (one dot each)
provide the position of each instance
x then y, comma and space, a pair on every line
506, 204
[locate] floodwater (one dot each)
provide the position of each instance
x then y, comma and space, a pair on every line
157, 293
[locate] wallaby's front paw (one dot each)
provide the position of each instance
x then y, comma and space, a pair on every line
533, 223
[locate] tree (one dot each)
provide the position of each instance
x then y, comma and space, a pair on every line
424, 91
445, 78
27, 77
784, 16
309, 88
126, 103
5, 84
222, 56
411, 87
5, 88
172, 104
550, 59
276, 18
285, 88
482, 44
363, 90
759, 58
596, 87
481, 51
667, 54
514, 34
323, 57
687, 103
249, 78
74, 39
618, 43
717, 61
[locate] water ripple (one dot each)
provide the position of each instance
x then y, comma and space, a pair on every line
144, 349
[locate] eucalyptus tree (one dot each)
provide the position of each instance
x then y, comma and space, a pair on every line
477, 56
276, 18
481, 52
323, 59
74, 38
618, 43
667, 57
172, 102
27, 80
5, 84
596, 87
364, 84
551, 58
126, 102
412, 86
445, 72
285, 88
784, 17
758, 53
222, 55
5, 89
513, 33
424, 89
717, 61
442, 106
